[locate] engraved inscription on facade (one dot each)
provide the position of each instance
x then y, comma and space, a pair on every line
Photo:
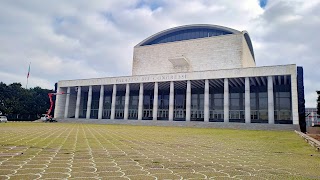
165, 77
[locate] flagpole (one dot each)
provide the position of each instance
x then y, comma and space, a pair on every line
27, 84
28, 75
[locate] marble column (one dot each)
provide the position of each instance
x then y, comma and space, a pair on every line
226, 100
76, 116
294, 96
247, 100
188, 101
206, 100
126, 102
155, 102
171, 101
100, 111
89, 103
66, 108
140, 106
113, 101
270, 101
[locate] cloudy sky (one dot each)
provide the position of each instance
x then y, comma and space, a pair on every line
78, 39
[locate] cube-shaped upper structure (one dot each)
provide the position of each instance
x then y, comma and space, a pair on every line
190, 48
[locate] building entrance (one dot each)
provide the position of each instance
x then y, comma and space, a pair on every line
180, 106
197, 107
163, 105
147, 105
133, 105
120, 100
107, 106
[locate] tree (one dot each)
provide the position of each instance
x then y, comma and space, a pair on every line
14, 99
41, 102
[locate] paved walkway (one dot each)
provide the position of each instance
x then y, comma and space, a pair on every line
77, 151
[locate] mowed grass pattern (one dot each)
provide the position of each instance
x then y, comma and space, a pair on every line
78, 151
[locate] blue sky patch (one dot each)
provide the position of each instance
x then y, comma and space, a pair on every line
263, 3
153, 5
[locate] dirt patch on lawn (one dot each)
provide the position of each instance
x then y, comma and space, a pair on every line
315, 136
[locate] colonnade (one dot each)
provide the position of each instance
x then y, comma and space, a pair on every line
171, 101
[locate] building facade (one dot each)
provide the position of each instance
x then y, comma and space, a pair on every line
188, 73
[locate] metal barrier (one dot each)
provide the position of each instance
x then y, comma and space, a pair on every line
22, 117
179, 113
163, 113
147, 113
259, 114
133, 114
283, 115
94, 113
216, 114
236, 114
197, 114
106, 114
119, 114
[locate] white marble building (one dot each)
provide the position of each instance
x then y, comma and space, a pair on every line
188, 73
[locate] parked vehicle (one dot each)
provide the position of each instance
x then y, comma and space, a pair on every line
3, 119
47, 118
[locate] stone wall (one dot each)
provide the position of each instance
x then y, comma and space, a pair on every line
225, 125
313, 142
215, 74
212, 53
247, 58
60, 103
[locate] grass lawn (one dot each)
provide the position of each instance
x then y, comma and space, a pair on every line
77, 151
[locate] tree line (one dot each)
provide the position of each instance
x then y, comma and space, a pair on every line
19, 103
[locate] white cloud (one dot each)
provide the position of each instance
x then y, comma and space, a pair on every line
80, 39
287, 34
